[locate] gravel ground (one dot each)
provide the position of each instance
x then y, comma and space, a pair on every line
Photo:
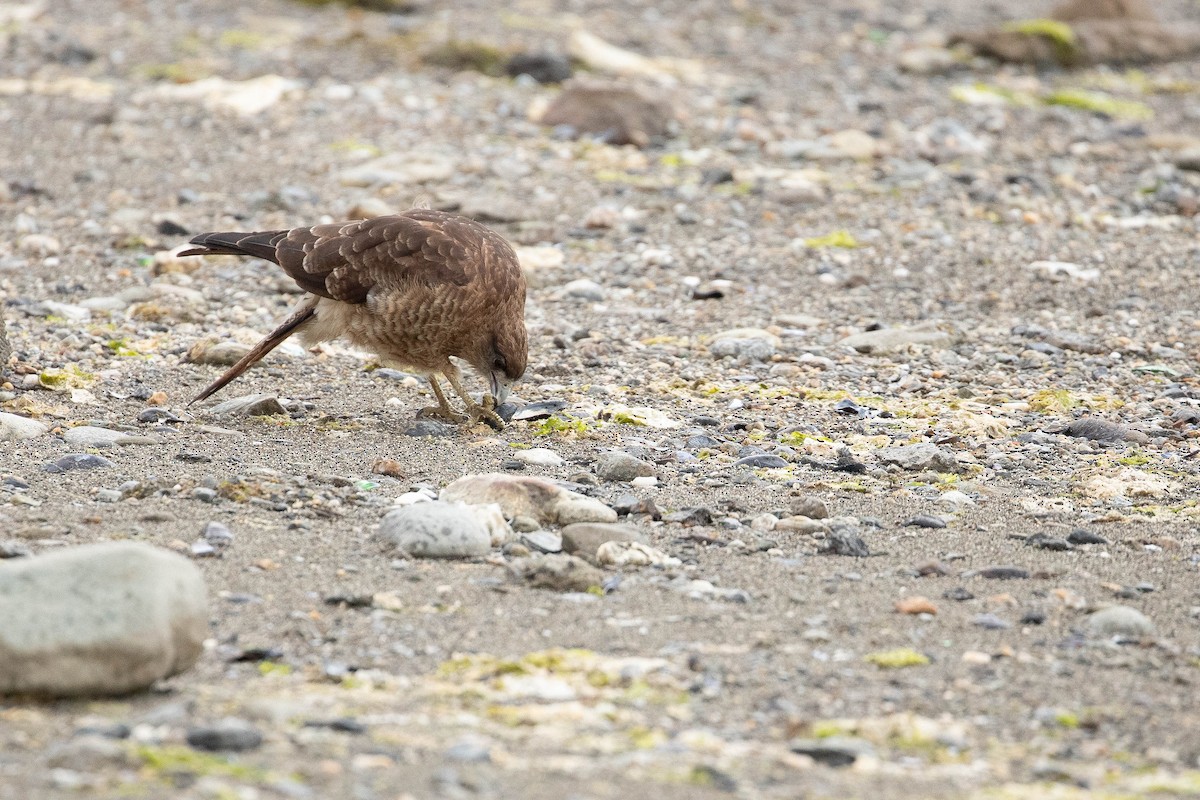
829, 258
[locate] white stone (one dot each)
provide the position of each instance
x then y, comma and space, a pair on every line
99, 619
1121, 621
91, 436
1058, 270
436, 530
14, 427
539, 457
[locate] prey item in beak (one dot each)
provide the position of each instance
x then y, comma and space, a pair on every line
499, 386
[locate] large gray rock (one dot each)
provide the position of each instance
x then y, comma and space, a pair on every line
101, 619
917, 457
522, 496
436, 530
621, 467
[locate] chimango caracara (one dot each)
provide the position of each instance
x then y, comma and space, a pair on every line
416, 289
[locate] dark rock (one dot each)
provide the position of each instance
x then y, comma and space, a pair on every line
340, 724
1044, 541
1003, 573
844, 542
229, 735
1033, 617
832, 751
926, 521
157, 416
76, 461
846, 462
959, 594
542, 67
1081, 536
1103, 431
13, 548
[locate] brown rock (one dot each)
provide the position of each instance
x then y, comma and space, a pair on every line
615, 113
916, 605
1102, 32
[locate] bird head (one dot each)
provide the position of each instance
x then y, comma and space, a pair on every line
503, 359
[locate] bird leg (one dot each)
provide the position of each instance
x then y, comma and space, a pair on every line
485, 412
442, 410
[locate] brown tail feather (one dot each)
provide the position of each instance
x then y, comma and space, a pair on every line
272, 340
233, 243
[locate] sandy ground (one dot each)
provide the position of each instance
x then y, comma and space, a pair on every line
464, 682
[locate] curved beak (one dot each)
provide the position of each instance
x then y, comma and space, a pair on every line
499, 385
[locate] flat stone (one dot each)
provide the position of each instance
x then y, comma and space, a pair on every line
887, 340
542, 541
249, 405
584, 538
1104, 431
133, 614
833, 751
761, 461
800, 524
1119, 621
93, 436
559, 573
429, 427
520, 495
228, 735
74, 461
14, 427
539, 457
436, 530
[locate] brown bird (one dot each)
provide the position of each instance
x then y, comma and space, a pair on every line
415, 288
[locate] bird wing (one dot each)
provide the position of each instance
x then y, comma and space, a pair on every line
345, 260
